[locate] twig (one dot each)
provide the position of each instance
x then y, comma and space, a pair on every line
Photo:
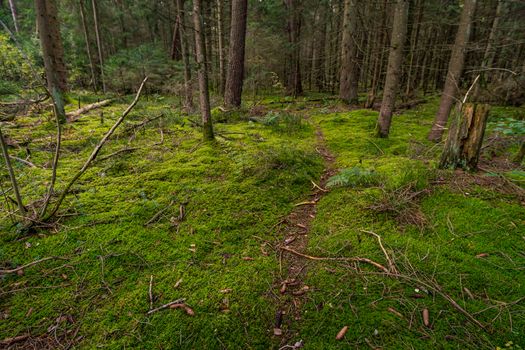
150, 292
317, 258
12, 176
124, 150
165, 306
26, 162
15, 270
158, 214
375, 144
95, 152
19, 338
305, 203
318, 187
391, 265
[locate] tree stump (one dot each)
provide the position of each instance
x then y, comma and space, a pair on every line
465, 137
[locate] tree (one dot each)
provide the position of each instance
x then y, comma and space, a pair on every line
14, 14
99, 45
188, 91
455, 68
349, 77
200, 55
235, 73
395, 59
53, 53
88, 46
294, 85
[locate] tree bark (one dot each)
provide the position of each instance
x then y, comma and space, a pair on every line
88, 46
99, 45
395, 59
188, 89
200, 51
53, 53
14, 14
176, 52
294, 85
12, 176
220, 34
455, 68
349, 75
235, 74
465, 138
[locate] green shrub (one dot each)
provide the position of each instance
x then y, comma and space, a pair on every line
353, 177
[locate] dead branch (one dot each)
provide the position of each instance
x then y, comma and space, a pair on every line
158, 214
9, 341
317, 258
23, 267
74, 116
124, 150
165, 306
150, 292
391, 265
95, 151
23, 161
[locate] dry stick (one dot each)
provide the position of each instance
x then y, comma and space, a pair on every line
318, 187
124, 150
150, 292
95, 151
15, 270
165, 306
26, 162
73, 116
19, 338
391, 265
14, 184
317, 258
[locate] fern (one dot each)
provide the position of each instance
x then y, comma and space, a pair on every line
353, 177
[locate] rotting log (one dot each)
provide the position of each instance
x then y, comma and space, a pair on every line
465, 137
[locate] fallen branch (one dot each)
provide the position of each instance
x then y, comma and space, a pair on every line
354, 259
391, 265
158, 214
15, 270
165, 306
9, 341
305, 203
150, 292
95, 152
318, 187
23, 161
124, 150
74, 116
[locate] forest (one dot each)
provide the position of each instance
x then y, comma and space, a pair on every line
262, 174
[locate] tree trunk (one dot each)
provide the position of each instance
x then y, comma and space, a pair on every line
88, 46
53, 53
235, 74
176, 52
395, 59
14, 184
14, 14
200, 51
294, 85
188, 90
455, 68
465, 137
318, 55
99, 45
349, 77
220, 34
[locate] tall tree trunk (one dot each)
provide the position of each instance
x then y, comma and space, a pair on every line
99, 45
14, 14
349, 77
88, 46
220, 34
188, 90
235, 74
53, 53
395, 59
318, 54
200, 51
12, 177
176, 52
455, 68
294, 85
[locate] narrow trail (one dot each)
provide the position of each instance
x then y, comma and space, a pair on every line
290, 288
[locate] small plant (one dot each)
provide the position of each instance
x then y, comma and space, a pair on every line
353, 177
283, 122
515, 128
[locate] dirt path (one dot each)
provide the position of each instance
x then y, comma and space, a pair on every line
290, 287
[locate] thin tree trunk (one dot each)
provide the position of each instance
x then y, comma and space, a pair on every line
235, 74
200, 50
455, 68
14, 14
176, 52
349, 77
188, 90
99, 45
220, 34
12, 176
395, 59
294, 84
88, 46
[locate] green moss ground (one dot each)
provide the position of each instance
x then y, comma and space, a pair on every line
236, 191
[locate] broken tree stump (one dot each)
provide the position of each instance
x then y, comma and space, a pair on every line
465, 137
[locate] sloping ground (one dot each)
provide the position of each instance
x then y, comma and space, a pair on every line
463, 242
200, 222
216, 255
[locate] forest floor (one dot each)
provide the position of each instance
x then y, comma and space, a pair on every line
294, 224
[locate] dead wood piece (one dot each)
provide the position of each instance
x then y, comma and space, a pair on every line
19, 338
74, 116
165, 306
391, 265
20, 268
26, 162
